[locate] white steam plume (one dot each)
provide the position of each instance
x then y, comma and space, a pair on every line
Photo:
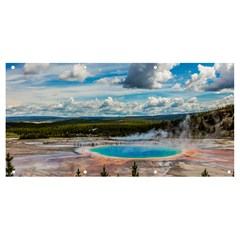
185, 130
144, 136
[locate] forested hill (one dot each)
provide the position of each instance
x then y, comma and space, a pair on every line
217, 123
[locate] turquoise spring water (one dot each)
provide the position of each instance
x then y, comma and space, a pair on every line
132, 151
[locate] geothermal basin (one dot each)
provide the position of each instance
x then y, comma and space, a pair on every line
159, 157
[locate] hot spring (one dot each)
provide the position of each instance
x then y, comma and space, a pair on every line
135, 151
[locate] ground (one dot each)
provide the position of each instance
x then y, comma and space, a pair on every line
62, 157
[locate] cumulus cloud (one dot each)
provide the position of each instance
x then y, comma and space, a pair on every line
113, 107
192, 100
177, 102
225, 101
157, 102
148, 75
225, 90
160, 105
34, 68
199, 79
78, 72
177, 86
162, 102
109, 80
226, 78
107, 102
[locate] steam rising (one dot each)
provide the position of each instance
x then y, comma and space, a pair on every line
184, 132
184, 126
144, 136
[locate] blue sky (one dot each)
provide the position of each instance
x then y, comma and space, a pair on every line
117, 89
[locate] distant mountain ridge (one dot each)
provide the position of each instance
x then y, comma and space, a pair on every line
32, 118
92, 119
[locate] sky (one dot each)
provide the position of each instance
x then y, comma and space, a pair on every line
116, 89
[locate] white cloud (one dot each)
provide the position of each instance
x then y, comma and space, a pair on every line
176, 102
225, 90
192, 100
148, 75
225, 101
198, 80
107, 102
113, 107
158, 106
177, 86
109, 80
157, 102
34, 68
226, 78
163, 102
77, 73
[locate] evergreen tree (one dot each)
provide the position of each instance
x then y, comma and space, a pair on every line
211, 119
78, 173
205, 173
233, 173
135, 172
231, 126
214, 129
201, 126
9, 167
104, 173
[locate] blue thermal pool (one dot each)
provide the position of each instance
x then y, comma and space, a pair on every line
135, 151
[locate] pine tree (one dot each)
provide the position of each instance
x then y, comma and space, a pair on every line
78, 173
135, 172
201, 126
214, 129
9, 167
104, 173
211, 119
205, 173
